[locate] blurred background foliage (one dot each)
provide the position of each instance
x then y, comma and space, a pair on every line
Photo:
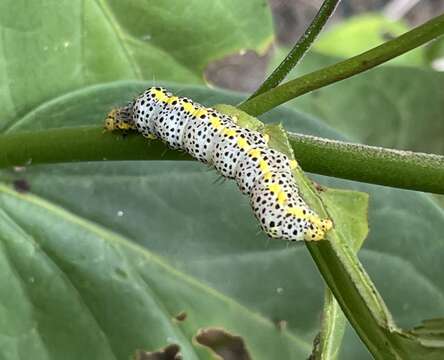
358, 24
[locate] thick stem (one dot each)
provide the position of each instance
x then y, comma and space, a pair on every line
345, 69
376, 165
395, 168
299, 49
79, 144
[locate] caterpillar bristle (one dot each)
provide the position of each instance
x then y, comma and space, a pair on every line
262, 173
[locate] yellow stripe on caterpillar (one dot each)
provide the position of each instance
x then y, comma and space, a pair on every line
189, 108
160, 95
268, 176
229, 132
255, 153
293, 164
298, 212
200, 112
173, 99
215, 122
263, 165
243, 143
275, 188
282, 198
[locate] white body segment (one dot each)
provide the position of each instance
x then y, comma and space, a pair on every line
231, 144
257, 161
170, 124
146, 108
201, 131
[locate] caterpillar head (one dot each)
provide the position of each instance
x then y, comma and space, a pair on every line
120, 119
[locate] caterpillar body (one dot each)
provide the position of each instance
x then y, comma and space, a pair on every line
262, 173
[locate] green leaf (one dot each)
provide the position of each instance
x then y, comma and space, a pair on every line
202, 239
207, 230
348, 208
362, 32
50, 48
327, 345
70, 287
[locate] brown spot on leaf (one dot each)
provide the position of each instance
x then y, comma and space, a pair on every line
170, 352
318, 187
223, 344
21, 185
181, 316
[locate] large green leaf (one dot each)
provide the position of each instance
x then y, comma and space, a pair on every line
203, 247
71, 288
48, 48
207, 231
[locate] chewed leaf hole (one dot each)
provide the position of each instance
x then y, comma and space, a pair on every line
170, 352
227, 346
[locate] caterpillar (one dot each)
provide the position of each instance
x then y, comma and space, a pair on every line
262, 173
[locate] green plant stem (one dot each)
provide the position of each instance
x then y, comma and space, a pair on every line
345, 69
394, 168
300, 48
80, 144
376, 165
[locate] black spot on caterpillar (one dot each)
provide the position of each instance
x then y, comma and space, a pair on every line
211, 137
